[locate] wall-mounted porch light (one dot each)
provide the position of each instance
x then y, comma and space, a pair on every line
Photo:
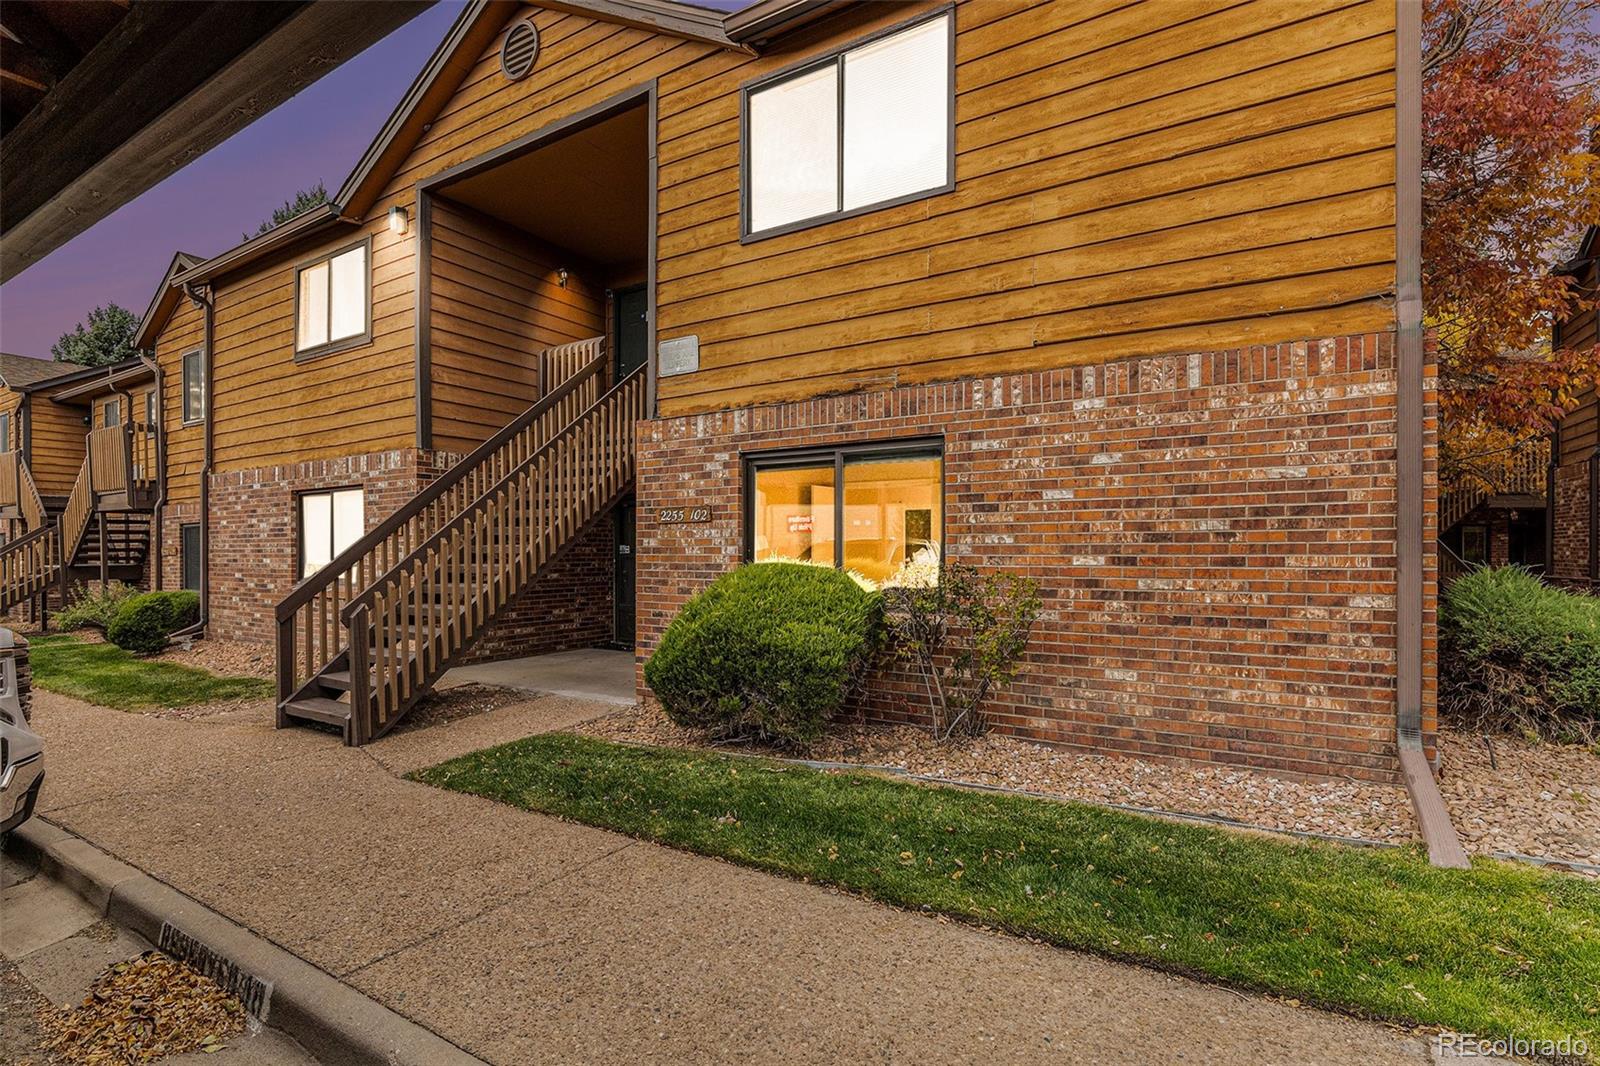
399, 220
561, 277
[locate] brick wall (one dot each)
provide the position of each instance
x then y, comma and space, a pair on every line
254, 529
569, 607
1214, 535
254, 550
1572, 515
174, 516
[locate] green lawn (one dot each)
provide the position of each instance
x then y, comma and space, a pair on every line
1496, 950
111, 677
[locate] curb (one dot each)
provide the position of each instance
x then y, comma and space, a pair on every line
331, 1020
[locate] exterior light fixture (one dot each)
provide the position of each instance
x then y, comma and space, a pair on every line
399, 220
561, 277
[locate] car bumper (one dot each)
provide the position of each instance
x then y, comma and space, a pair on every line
20, 792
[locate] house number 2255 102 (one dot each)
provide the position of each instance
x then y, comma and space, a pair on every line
669, 516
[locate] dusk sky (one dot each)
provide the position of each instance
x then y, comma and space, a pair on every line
206, 207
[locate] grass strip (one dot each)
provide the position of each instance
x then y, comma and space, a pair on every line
106, 675
1497, 950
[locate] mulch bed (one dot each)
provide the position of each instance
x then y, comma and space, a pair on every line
457, 702
226, 658
1537, 799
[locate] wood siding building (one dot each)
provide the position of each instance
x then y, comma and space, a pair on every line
1136, 334
1575, 449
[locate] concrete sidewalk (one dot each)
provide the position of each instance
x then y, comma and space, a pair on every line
522, 938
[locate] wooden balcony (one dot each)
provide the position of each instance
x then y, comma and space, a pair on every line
19, 497
123, 467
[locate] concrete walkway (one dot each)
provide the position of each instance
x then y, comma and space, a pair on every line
602, 675
526, 939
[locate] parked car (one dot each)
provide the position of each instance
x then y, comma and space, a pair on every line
21, 749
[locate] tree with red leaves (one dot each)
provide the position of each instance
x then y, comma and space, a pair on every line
1510, 176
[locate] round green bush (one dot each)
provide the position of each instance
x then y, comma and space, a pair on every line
143, 622
771, 650
1517, 654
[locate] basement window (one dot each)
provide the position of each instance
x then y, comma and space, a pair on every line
855, 131
329, 523
332, 296
194, 387
189, 554
890, 526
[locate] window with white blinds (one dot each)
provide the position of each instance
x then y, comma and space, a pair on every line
329, 523
331, 302
867, 127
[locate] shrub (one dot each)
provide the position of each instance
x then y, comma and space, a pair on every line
1515, 653
770, 650
144, 621
965, 633
93, 608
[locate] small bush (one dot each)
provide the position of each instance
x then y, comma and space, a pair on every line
93, 608
144, 621
1517, 654
770, 650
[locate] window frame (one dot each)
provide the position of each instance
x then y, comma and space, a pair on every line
183, 386
343, 344
839, 454
300, 523
183, 555
5, 433
105, 407
810, 65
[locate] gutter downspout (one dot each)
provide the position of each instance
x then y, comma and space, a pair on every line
201, 297
161, 473
1433, 818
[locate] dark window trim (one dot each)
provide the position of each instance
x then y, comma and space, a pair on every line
183, 554
5, 431
183, 386
343, 344
300, 521
839, 455
812, 63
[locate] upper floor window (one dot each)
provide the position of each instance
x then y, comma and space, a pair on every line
194, 387
111, 412
5, 431
862, 129
332, 306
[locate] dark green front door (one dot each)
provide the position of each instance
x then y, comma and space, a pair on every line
631, 329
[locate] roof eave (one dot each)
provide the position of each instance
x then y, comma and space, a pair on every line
770, 19
256, 248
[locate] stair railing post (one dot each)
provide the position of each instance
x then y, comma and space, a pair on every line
360, 696
285, 668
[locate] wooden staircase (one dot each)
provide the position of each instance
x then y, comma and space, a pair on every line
1525, 475
105, 526
364, 638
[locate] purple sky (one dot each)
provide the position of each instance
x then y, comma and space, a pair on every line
205, 207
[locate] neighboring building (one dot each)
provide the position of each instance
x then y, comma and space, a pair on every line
1103, 294
1575, 517
1507, 527
79, 483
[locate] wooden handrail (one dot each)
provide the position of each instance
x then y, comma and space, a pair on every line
75, 518
28, 565
32, 504
1526, 476
407, 626
309, 619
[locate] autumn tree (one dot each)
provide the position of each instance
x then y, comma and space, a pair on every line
1510, 177
105, 338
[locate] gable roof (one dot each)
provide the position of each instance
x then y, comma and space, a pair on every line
1587, 252
478, 24
19, 371
164, 302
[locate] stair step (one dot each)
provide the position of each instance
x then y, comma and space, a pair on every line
318, 709
339, 679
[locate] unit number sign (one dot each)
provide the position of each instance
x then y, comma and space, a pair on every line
675, 515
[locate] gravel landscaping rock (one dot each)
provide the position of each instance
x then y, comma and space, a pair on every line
225, 658
1339, 808
1538, 799
1535, 798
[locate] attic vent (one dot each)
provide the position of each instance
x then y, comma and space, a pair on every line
520, 50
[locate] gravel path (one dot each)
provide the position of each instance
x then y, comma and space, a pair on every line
1539, 799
